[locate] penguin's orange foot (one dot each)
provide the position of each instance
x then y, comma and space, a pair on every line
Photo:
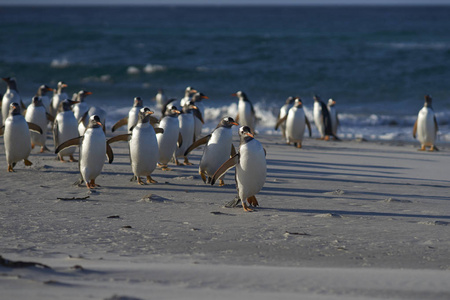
32, 145
423, 148
187, 163
299, 145
245, 207
10, 168
72, 159
432, 148
27, 162
221, 182
92, 184
139, 181
166, 168
327, 138
151, 180
252, 201
61, 159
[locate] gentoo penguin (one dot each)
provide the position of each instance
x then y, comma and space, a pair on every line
37, 114
11, 95
81, 107
331, 105
92, 151
160, 99
322, 119
167, 141
218, 148
283, 113
132, 118
93, 111
197, 99
246, 113
42, 93
426, 127
250, 162
17, 138
58, 96
187, 96
187, 126
65, 128
296, 122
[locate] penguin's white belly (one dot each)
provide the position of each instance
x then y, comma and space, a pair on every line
187, 132
246, 117
295, 125
251, 169
56, 100
16, 139
217, 151
143, 150
93, 152
318, 118
38, 116
9, 97
426, 132
79, 110
167, 141
67, 129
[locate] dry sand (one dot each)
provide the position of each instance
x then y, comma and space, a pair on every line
337, 220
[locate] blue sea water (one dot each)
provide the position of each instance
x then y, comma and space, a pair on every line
376, 62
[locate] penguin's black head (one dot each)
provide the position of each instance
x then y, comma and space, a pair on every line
245, 133
61, 86
298, 102
290, 100
331, 102
240, 95
199, 97
144, 115
94, 122
66, 104
43, 89
428, 101
228, 122
138, 102
173, 111
316, 98
14, 109
83, 94
11, 82
36, 101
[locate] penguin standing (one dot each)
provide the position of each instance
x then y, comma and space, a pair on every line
160, 99
187, 126
331, 105
37, 114
92, 151
187, 96
246, 113
65, 127
322, 119
283, 112
251, 169
17, 137
296, 122
167, 141
197, 99
11, 96
133, 116
42, 93
81, 107
58, 96
426, 127
218, 148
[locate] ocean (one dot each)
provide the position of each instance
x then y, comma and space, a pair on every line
376, 62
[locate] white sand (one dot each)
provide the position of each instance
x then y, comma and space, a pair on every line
338, 220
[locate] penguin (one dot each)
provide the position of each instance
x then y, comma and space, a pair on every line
37, 114
93, 146
42, 93
11, 96
84, 121
132, 118
246, 113
168, 141
322, 119
218, 148
426, 127
144, 152
197, 99
251, 169
17, 137
283, 112
160, 99
58, 96
187, 96
65, 127
187, 126
81, 107
331, 105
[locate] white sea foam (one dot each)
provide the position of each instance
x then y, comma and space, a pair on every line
60, 63
149, 68
132, 70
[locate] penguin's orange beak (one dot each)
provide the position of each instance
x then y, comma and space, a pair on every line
49, 89
193, 91
194, 107
149, 112
99, 123
205, 97
64, 85
250, 134
88, 93
177, 111
234, 94
234, 123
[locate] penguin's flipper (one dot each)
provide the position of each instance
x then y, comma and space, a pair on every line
436, 128
34, 127
309, 125
120, 123
198, 114
69, 143
180, 140
83, 118
109, 153
197, 143
159, 130
415, 129
50, 117
230, 163
154, 121
118, 138
233, 151
280, 121
2, 130
237, 118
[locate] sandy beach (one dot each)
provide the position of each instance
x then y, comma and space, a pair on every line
337, 220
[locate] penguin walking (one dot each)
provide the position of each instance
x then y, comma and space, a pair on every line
65, 127
58, 96
283, 113
11, 96
296, 123
426, 127
170, 138
187, 96
17, 139
187, 126
42, 93
218, 148
197, 99
144, 152
331, 105
93, 147
133, 116
37, 114
251, 169
246, 113
80, 107
322, 119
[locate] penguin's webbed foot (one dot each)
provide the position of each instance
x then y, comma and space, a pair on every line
92, 184
186, 162
245, 207
221, 182
252, 201
72, 159
151, 180
10, 168
27, 162
139, 181
423, 148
